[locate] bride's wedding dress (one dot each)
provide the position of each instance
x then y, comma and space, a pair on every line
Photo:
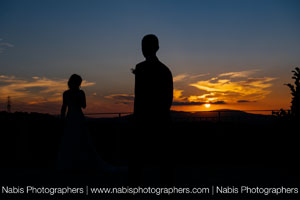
76, 151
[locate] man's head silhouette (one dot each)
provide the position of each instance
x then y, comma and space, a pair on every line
150, 45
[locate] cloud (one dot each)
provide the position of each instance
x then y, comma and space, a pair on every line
218, 102
241, 74
182, 77
243, 101
231, 87
251, 88
179, 77
4, 46
179, 103
37, 90
121, 98
193, 103
178, 95
198, 75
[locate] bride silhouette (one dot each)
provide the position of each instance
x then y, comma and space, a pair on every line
76, 149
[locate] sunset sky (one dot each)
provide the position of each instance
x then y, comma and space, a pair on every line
232, 54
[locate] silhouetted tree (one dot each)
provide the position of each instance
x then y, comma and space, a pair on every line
295, 91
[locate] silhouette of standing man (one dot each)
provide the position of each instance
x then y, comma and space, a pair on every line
152, 103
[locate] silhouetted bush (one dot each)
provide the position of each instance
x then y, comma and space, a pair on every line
295, 91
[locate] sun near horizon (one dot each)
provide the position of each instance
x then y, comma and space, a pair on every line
207, 105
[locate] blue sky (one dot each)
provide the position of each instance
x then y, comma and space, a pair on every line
100, 40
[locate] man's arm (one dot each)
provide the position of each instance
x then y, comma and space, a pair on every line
170, 89
136, 89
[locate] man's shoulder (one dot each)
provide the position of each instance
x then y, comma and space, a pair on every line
165, 68
141, 64
66, 92
150, 65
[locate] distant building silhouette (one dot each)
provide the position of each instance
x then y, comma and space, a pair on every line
8, 104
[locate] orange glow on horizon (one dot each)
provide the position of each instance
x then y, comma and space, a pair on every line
232, 91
